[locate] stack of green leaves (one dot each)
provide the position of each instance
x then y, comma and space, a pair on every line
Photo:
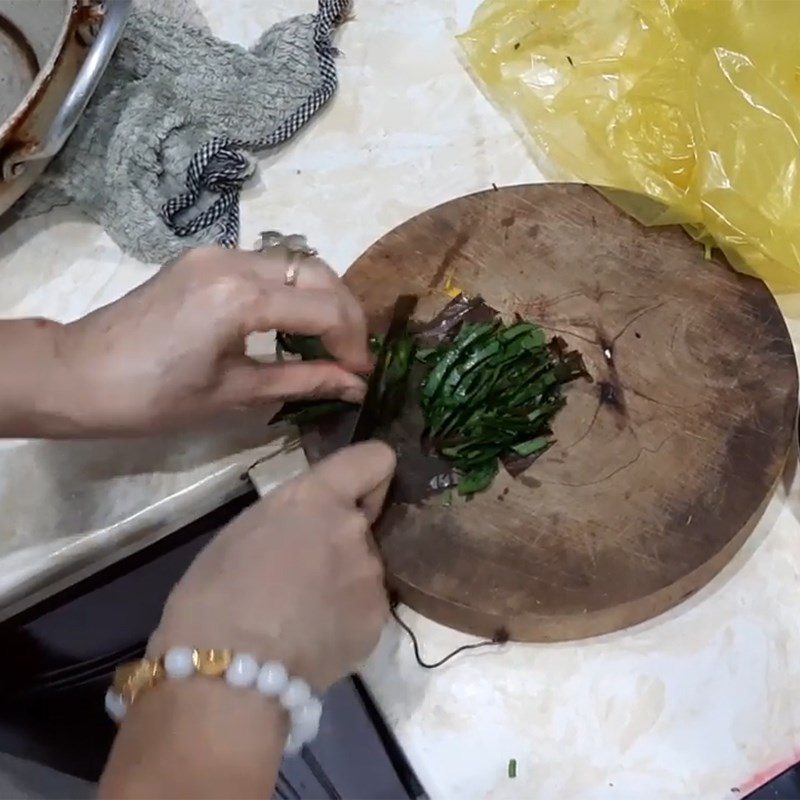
490, 395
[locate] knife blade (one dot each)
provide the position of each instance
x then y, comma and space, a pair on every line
369, 414
284, 461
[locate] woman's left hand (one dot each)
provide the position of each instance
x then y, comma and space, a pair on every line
172, 352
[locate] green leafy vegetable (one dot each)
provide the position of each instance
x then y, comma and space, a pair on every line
491, 394
478, 476
534, 446
487, 393
310, 348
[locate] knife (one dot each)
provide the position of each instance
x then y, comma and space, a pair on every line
286, 458
369, 415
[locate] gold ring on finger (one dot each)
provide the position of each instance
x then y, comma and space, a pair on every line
292, 270
296, 247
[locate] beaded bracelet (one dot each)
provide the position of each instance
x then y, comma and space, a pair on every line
240, 670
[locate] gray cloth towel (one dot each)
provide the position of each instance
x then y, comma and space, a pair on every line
160, 155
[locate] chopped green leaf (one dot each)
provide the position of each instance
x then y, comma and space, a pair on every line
493, 393
479, 477
309, 348
487, 392
529, 448
468, 335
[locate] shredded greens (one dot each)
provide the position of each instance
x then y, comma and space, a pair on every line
488, 393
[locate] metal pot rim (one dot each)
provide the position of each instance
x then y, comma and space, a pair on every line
45, 74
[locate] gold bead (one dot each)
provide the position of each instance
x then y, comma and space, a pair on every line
133, 678
122, 674
212, 663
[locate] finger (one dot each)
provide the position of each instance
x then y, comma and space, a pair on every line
268, 267
248, 383
360, 474
312, 273
354, 312
268, 272
316, 274
372, 503
315, 312
271, 266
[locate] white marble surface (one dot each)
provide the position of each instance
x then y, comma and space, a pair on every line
694, 704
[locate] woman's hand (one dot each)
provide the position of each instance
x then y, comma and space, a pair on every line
172, 352
296, 577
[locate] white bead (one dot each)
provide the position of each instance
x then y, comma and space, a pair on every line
295, 694
272, 679
178, 662
115, 706
293, 746
242, 672
305, 720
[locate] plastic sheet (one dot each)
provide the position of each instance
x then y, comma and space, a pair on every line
694, 104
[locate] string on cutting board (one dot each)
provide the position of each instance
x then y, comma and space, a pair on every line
500, 638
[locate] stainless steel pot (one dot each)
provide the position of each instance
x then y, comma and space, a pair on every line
52, 56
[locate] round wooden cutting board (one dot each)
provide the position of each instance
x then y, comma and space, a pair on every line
663, 461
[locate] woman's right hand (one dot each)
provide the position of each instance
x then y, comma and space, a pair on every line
296, 578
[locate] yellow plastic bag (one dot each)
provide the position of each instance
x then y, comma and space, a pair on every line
693, 103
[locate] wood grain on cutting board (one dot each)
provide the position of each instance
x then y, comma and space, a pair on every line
663, 461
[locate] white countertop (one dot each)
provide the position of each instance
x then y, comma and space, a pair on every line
694, 704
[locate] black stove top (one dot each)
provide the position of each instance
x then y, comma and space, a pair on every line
59, 655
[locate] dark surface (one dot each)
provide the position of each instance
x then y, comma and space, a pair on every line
64, 651
59, 657
785, 787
